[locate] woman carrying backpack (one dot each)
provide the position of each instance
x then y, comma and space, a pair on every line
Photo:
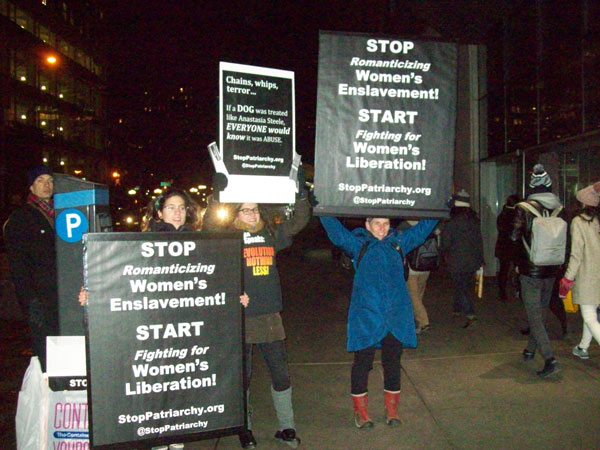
582, 271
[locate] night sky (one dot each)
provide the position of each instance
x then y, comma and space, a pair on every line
162, 45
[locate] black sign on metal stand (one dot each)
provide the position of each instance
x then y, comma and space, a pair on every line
164, 337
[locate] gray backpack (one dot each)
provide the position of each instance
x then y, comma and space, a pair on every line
548, 237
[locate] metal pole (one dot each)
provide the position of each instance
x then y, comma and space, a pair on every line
539, 51
505, 79
584, 32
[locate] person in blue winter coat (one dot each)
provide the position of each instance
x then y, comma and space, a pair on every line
380, 314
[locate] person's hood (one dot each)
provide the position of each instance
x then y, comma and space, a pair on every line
547, 199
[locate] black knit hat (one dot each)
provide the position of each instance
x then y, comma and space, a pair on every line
36, 171
540, 178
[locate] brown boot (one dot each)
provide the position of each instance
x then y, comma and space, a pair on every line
361, 415
391, 400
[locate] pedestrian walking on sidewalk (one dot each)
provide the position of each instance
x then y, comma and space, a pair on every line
264, 327
582, 273
380, 314
537, 279
462, 248
417, 281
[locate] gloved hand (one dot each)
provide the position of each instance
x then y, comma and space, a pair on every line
219, 184
565, 287
302, 193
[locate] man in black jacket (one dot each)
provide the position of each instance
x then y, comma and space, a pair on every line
536, 280
462, 248
29, 236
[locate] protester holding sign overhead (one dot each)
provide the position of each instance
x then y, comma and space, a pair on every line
380, 314
264, 328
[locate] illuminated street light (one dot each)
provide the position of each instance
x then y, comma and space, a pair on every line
201, 186
132, 192
116, 174
51, 60
157, 191
194, 190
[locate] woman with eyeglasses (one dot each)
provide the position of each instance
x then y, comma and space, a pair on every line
261, 241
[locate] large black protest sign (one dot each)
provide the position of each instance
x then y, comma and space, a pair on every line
257, 142
386, 112
164, 335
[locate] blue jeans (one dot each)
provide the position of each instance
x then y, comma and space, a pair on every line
464, 285
536, 293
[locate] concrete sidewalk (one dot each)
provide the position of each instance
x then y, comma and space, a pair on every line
461, 388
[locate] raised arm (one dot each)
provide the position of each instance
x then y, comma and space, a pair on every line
340, 236
300, 218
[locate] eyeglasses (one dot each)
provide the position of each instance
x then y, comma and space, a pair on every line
173, 208
248, 211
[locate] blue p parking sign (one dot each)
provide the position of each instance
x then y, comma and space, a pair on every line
71, 224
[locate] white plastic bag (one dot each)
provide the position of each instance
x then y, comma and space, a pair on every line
32, 409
